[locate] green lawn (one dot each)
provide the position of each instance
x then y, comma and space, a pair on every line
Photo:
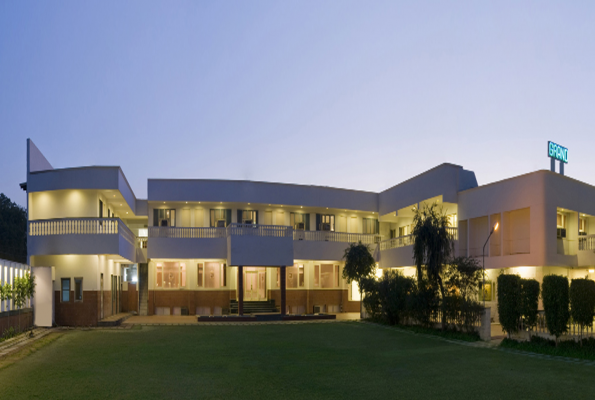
339, 360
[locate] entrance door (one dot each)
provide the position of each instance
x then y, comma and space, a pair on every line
101, 295
251, 286
262, 290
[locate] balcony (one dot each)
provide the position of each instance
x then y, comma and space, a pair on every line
398, 252
81, 236
328, 245
171, 242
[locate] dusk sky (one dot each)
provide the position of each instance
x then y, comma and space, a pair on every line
359, 95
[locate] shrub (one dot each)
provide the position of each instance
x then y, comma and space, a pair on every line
529, 302
582, 302
371, 301
463, 277
555, 304
509, 302
394, 288
424, 303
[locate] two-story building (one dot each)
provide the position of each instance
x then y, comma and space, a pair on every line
212, 247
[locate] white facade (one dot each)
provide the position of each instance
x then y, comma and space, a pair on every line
87, 223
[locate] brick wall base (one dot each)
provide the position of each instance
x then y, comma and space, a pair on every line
190, 299
77, 313
310, 298
12, 318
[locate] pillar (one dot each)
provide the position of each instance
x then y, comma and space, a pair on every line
283, 283
240, 290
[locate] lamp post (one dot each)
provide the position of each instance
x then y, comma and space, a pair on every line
483, 255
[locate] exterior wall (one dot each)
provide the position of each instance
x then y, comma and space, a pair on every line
190, 299
79, 313
16, 320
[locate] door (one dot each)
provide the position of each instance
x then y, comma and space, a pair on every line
101, 296
250, 286
262, 285
268, 218
352, 228
279, 218
341, 224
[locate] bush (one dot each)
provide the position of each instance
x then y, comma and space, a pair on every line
529, 302
369, 287
555, 304
509, 302
424, 303
582, 302
584, 348
393, 290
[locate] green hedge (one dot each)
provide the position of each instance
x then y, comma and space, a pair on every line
582, 301
509, 302
529, 301
555, 304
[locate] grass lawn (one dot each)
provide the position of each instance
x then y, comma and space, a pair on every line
338, 360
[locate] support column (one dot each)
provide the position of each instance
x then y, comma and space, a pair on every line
283, 291
240, 290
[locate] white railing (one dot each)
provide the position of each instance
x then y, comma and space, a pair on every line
343, 237
586, 242
259, 230
81, 226
407, 240
186, 233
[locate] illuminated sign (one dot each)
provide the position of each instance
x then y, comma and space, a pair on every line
558, 152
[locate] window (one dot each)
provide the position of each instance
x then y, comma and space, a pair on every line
370, 225
65, 290
212, 275
223, 275
247, 217
164, 217
200, 268
329, 276
278, 277
295, 276
100, 209
220, 218
582, 226
560, 221
170, 275
78, 289
325, 222
300, 221
317, 276
404, 230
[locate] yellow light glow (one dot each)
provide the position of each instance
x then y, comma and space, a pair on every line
591, 271
496, 226
378, 273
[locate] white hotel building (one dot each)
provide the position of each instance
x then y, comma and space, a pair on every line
209, 247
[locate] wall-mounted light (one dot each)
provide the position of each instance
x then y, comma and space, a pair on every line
591, 271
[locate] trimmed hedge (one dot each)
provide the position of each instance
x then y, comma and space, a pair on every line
509, 302
582, 301
529, 301
555, 304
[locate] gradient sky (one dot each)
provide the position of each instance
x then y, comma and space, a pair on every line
359, 95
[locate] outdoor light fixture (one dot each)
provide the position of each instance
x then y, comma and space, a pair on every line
483, 256
591, 271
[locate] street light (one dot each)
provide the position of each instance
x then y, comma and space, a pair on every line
483, 255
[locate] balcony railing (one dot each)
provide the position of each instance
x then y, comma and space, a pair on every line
586, 242
330, 236
258, 230
81, 226
186, 233
407, 240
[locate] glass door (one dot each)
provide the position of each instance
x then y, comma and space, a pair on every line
262, 292
250, 286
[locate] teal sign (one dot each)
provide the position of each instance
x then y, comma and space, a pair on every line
558, 152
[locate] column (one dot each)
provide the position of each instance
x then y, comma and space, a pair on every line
240, 290
283, 283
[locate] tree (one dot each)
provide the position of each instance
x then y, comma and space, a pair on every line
359, 264
529, 302
432, 246
509, 302
13, 231
554, 291
582, 302
463, 277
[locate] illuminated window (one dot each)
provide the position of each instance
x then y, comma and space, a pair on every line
65, 290
247, 217
220, 218
170, 275
329, 276
325, 222
200, 269
317, 276
78, 289
370, 225
164, 217
295, 276
300, 221
212, 275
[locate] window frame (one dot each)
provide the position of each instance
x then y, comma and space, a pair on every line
62, 280
78, 279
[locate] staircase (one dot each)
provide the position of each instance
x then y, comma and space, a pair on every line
143, 288
254, 307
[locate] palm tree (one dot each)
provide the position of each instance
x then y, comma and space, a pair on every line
432, 246
359, 264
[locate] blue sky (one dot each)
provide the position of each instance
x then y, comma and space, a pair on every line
359, 95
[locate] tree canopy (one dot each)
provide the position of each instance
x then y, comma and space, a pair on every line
13, 231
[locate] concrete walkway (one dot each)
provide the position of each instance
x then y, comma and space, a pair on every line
192, 320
